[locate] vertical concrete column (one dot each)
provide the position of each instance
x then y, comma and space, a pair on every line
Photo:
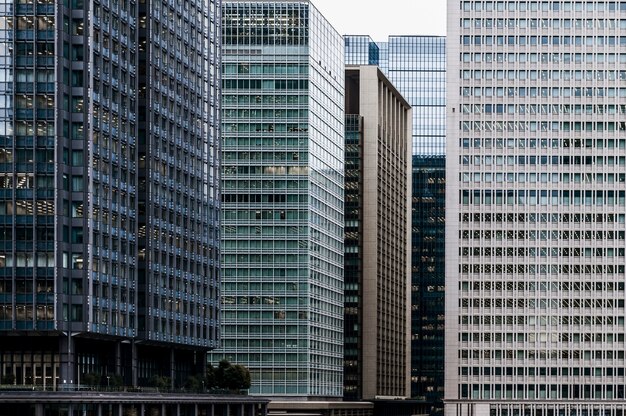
172, 367
67, 361
133, 362
118, 358
202, 362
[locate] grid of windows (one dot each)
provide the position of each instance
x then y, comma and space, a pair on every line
428, 280
361, 50
377, 237
535, 261
179, 160
75, 176
416, 66
110, 157
353, 267
28, 131
282, 178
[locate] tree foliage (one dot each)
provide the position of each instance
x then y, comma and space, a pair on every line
232, 377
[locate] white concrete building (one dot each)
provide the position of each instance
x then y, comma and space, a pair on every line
536, 208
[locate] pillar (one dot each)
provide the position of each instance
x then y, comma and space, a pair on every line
172, 367
67, 361
133, 363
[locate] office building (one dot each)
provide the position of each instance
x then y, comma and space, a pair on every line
378, 237
108, 201
416, 65
535, 208
282, 198
178, 198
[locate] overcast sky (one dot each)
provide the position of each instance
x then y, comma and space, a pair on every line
381, 18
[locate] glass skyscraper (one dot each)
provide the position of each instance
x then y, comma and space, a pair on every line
108, 188
536, 207
179, 151
428, 278
283, 183
416, 65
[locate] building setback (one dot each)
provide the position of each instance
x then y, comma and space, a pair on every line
108, 203
378, 237
535, 208
282, 176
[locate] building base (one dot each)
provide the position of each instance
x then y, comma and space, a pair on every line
41, 403
320, 408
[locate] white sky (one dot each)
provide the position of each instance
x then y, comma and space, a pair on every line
381, 18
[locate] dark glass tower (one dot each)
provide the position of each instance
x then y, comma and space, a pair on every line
179, 151
353, 310
108, 188
428, 276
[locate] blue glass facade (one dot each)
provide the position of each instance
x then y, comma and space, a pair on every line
108, 186
416, 66
179, 150
361, 50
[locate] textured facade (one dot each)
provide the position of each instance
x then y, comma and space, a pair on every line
416, 65
536, 208
378, 237
75, 152
283, 184
179, 150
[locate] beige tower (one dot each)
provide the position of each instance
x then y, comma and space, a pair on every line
378, 238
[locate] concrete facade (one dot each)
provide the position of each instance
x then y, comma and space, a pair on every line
416, 66
380, 182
